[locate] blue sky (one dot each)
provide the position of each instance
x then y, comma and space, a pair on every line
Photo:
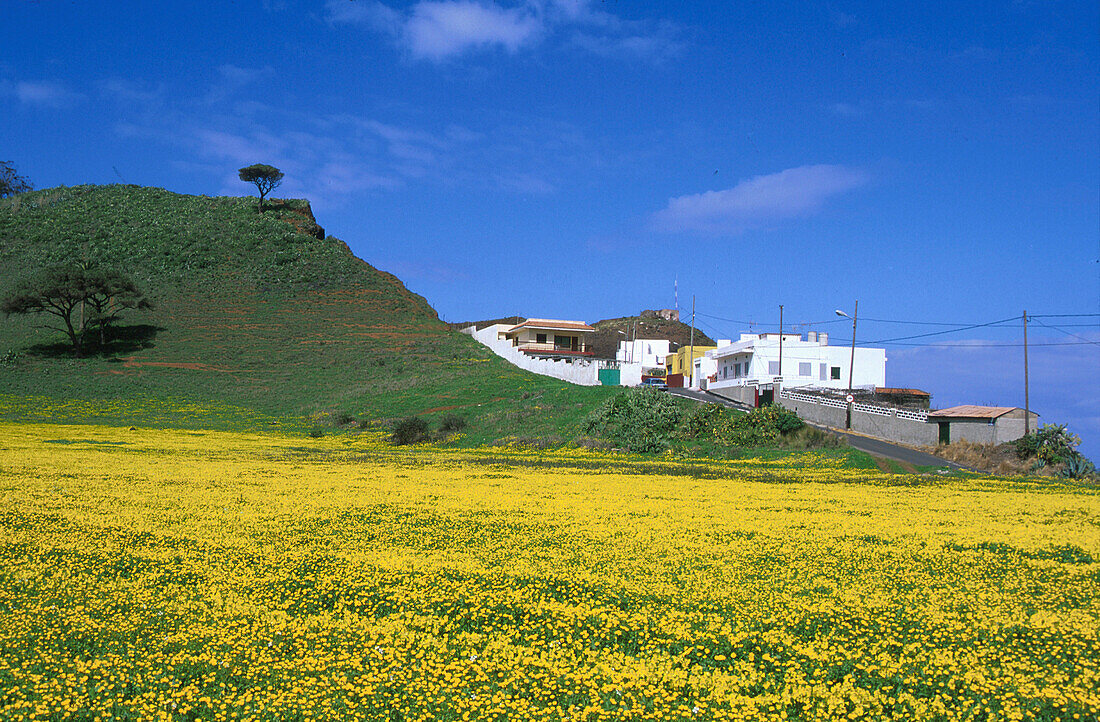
939, 162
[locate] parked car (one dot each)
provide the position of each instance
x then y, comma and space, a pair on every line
655, 382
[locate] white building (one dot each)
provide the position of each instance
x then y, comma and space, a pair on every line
648, 352
754, 359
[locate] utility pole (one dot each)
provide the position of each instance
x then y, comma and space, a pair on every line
1027, 401
691, 345
852, 363
781, 340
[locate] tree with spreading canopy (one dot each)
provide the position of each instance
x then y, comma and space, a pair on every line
266, 178
79, 297
11, 182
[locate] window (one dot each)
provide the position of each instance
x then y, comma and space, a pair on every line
563, 342
836, 373
773, 368
540, 338
824, 376
803, 368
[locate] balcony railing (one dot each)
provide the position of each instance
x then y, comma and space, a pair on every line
549, 348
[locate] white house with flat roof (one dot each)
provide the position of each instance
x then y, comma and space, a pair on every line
649, 352
754, 359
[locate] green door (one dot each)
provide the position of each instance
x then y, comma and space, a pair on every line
609, 377
945, 432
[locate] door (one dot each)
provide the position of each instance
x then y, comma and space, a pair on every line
609, 377
945, 432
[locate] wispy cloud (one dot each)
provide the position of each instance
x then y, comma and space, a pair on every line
237, 76
438, 30
764, 199
845, 110
46, 93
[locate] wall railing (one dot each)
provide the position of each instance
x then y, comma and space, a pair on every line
857, 406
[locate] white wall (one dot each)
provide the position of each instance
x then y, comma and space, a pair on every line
704, 366
649, 352
630, 374
583, 372
762, 353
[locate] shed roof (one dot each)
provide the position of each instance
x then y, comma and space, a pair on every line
973, 412
552, 324
910, 392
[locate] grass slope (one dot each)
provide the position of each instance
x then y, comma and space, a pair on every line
255, 318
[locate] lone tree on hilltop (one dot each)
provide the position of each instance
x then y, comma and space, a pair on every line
266, 178
79, 297
11, 182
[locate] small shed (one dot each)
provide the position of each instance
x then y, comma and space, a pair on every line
982, 424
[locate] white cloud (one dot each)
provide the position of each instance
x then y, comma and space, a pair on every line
846, 110
236, 75
790, 193
46, 93
644, 47
440, 29
437, 30
365, 12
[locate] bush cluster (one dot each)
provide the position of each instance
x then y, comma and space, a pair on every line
640, 420
646, 420
415, 430
761, 426
1053, 444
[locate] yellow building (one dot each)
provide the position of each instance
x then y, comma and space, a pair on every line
678, 365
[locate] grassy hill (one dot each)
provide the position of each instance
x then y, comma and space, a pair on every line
256, 320
612, 330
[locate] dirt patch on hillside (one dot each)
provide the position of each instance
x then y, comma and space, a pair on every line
131, 363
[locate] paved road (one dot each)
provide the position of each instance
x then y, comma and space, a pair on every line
874, 447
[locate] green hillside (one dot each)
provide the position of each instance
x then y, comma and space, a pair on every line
256, 320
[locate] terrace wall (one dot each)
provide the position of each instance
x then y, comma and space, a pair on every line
883, 422
580, 371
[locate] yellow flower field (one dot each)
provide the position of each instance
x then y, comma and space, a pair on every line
151, 574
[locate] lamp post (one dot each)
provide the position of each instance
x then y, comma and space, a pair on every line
851, 362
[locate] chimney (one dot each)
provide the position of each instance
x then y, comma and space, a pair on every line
811, 336
823, 339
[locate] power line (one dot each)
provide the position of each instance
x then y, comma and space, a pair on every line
940, 333
1066, 332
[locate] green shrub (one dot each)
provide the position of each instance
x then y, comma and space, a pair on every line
807, 437
410, 430
703, 420
639, 420
452, 423
1049, 444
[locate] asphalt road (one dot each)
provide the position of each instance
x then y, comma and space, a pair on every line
874, 447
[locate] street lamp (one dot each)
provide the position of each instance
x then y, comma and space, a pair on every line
851, 361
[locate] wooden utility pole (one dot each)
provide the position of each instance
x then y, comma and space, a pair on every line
781, 340
1027, 401
852, 364
691, 345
